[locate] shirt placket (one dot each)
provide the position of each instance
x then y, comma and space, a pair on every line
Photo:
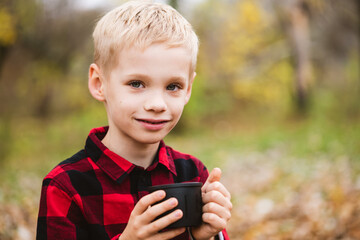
141, 180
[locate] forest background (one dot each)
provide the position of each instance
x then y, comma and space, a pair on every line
275, 104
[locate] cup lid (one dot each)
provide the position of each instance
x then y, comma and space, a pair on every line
174, 185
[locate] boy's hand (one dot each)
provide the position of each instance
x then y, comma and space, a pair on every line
217, 207
141, 224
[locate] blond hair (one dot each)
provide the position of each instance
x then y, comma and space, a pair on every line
140, 24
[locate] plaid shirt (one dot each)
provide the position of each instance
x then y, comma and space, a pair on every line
91, 194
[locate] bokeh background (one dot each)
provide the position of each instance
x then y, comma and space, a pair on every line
276, 105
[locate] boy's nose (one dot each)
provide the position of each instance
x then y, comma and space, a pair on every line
155, 102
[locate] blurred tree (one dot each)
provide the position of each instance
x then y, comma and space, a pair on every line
50, 36
7, 32
274, 52
321, 33
244, 60
294, 15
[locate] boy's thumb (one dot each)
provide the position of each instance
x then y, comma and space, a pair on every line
214, 176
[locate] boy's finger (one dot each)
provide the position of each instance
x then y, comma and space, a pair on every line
147, 201
155, 210
218, 186
215, 175
170, 234
165, 221
217, 197
217, 209
214, 221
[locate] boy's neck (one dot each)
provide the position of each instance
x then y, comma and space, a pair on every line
136, 153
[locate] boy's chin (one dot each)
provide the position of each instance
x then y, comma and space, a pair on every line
150, 139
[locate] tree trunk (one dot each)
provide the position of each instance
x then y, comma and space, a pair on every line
300, 40
294, 16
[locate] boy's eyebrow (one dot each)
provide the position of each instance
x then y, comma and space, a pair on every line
147, 77
138, 75
177, 79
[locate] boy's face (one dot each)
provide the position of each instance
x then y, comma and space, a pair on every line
145, 93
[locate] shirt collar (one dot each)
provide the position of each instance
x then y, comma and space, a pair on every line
117, 167
163, 157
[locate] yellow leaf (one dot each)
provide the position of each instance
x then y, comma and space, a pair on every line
7, 28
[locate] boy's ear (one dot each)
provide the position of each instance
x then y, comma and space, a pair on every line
188, 91
96, 83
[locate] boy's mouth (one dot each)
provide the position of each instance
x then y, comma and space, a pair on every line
153, 124
153, 121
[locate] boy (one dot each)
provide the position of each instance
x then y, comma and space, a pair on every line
144, 67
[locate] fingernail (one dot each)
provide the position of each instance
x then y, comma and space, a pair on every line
178, 213
172, 202
160, 193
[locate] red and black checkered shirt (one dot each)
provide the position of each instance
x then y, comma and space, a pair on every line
91, 194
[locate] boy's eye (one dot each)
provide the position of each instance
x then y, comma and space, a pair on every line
136, 84
173, 87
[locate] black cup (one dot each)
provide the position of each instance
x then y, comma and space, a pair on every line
189, 202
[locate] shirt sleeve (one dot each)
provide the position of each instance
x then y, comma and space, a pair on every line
59, 216
116, 237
